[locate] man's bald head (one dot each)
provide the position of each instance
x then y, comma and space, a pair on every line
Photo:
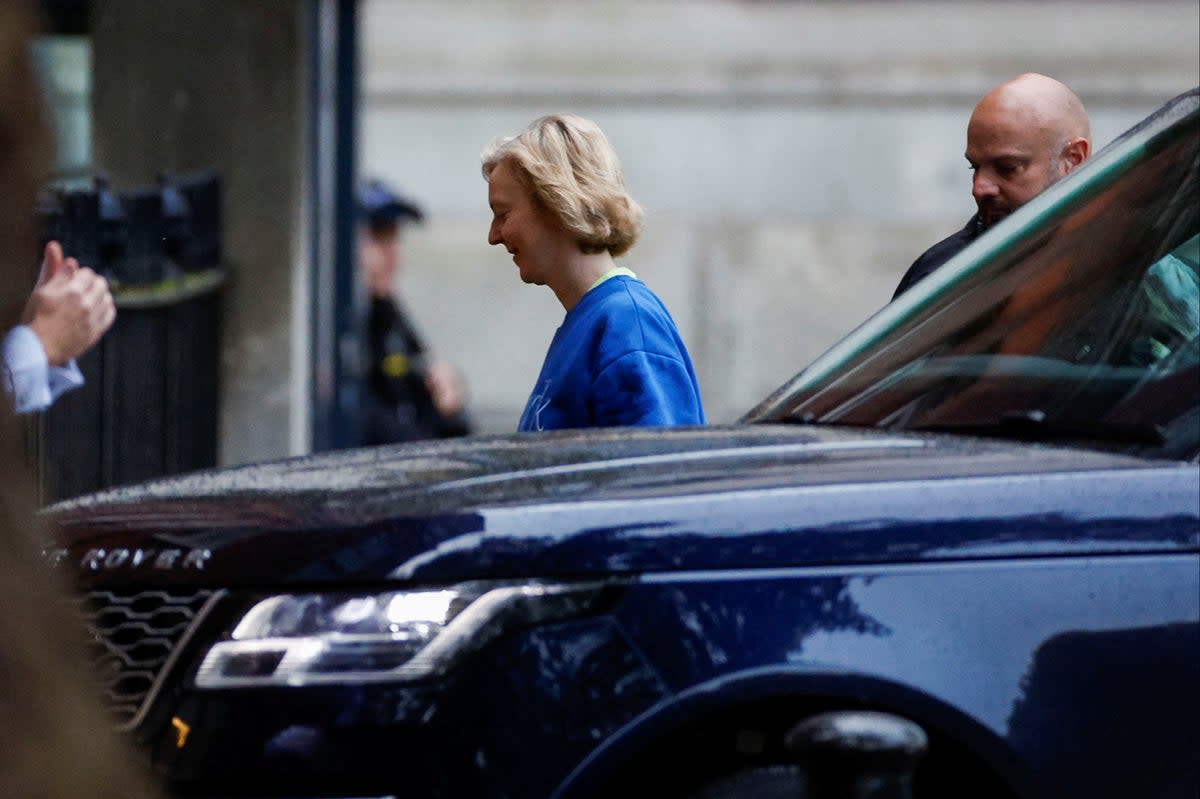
1023, 136
1041, 102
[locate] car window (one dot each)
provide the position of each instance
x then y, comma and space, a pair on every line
1084, 323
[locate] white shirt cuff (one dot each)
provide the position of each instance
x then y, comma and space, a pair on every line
28, 376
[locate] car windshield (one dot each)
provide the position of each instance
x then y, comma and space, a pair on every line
1077, 318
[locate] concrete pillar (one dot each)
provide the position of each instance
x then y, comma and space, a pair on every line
222, 83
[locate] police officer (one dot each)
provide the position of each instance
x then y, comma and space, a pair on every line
407, 396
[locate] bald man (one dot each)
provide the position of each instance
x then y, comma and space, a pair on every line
1023, 136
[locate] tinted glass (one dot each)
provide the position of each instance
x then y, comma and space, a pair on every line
1086, 328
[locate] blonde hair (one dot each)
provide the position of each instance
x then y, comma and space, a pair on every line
572, 171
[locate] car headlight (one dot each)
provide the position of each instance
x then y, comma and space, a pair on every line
305, 639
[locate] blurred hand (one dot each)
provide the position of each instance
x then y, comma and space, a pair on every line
445, 388
70, 308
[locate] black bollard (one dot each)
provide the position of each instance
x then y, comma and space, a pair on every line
857, 754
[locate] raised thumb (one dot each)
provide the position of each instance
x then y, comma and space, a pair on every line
52, 262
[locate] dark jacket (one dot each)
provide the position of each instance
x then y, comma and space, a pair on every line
396, 405
938, 254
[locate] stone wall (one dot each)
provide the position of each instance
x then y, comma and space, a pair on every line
794, 157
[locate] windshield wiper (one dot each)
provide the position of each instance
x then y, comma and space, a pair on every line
1034, 425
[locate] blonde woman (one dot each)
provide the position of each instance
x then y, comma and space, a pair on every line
560, 208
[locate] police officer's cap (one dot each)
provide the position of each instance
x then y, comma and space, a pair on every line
381, 205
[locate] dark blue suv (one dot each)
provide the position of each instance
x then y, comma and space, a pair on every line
957, 556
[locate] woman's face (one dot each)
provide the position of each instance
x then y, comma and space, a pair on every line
531, 235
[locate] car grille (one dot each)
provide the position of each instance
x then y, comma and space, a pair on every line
131, 636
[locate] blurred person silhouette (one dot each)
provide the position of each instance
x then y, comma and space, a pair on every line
56, 741
1023, 136
561, 209
407, 396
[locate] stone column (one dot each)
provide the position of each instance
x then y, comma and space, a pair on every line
222, 83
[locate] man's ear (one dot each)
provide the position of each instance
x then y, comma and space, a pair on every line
1074, 153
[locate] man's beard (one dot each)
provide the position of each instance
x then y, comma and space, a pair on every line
994, 209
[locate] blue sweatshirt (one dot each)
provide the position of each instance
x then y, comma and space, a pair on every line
617, 359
